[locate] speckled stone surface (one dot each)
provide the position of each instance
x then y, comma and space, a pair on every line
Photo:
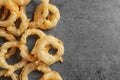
90, 30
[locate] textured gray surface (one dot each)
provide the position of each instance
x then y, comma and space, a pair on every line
90, 31
91, 35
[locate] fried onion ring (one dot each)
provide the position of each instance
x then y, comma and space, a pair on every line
43, 19
29, 32
21, 2
9, 37
23, 24
13, 76
4, 64
10, 5
42, 50
53, 75
32, 67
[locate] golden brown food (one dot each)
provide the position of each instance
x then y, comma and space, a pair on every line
21, 2
32, 67
23, 24
4, 64
29, 32
9, 37
24, 37
46, 16
13, 76
43, 54
13, 8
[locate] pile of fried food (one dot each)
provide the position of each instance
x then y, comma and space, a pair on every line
46, 16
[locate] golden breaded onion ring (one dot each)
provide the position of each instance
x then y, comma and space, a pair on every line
13, 8
42, 50
21, 2
9, 37
13, 76
53, 75
43, 19
23, 24
29, 32
4, 64
32, 67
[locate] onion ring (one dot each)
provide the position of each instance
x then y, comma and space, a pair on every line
9, 37
8, 4
42, 51
42, 18
53, 75
13, 76
21, 2
23, 25
32, 67
29, 32
4, 64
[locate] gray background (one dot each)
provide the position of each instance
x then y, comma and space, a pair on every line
91, 35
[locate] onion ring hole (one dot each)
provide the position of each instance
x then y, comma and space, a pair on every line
31, 40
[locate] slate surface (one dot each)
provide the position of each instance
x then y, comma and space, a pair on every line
91, 35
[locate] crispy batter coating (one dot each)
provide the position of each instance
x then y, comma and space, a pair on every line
9, 37
21, 2
43, 54
23, 24
32, 67
4, 64
14, 11
46, 16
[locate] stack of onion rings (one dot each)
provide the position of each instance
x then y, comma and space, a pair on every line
46, 16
